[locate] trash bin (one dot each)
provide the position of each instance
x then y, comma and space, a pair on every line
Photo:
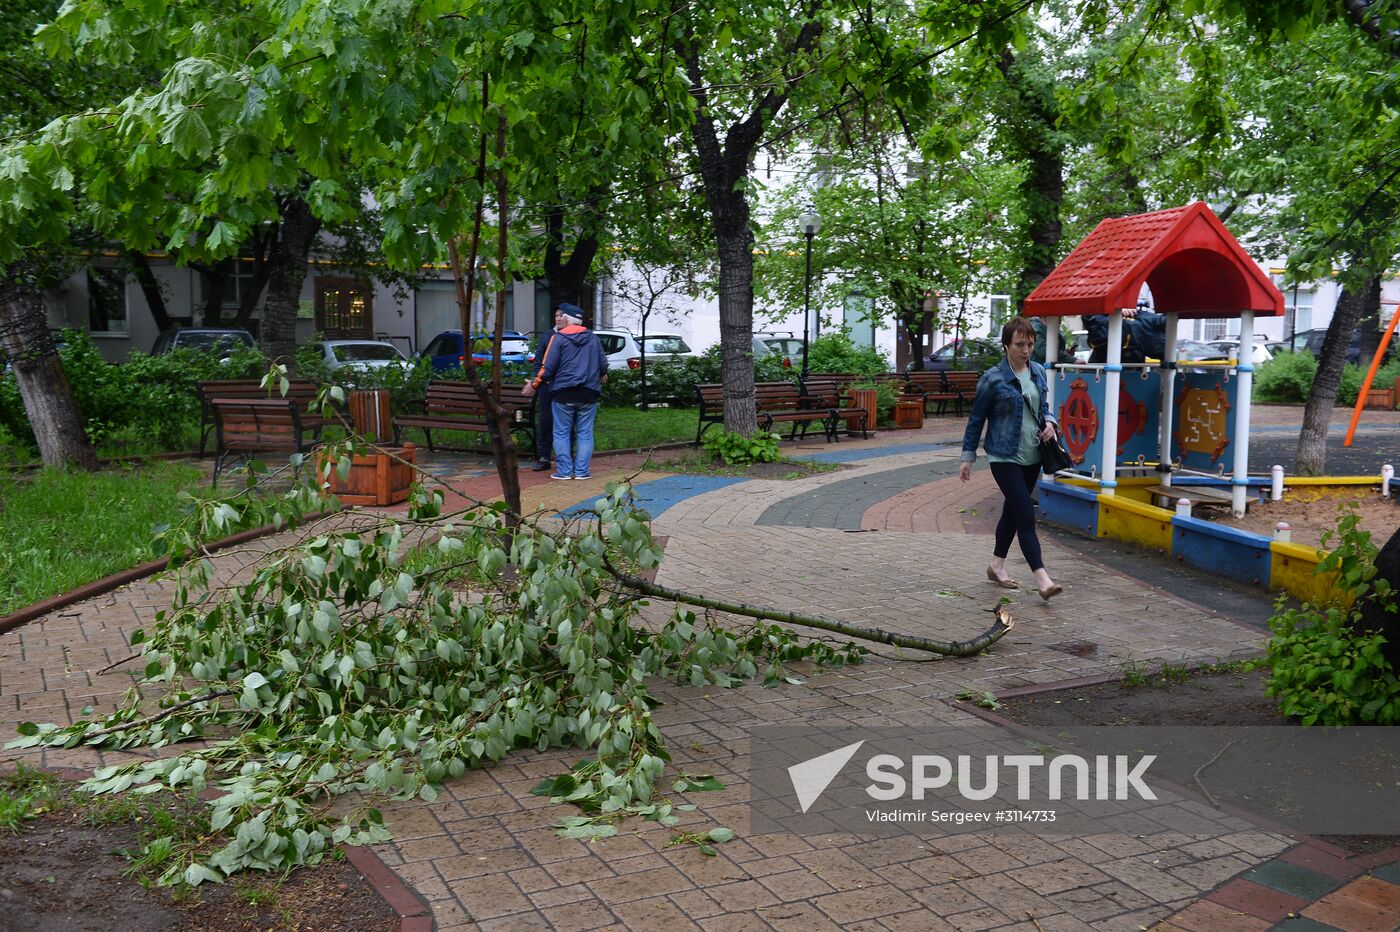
369, 411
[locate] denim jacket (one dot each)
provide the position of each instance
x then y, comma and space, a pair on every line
999, 405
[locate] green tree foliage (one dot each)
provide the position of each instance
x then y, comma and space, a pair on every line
1322, 667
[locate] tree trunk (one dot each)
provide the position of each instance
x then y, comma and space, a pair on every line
1317, 415
262, 244
286, 275
724, 171
155, 298
1040, 144
48, 398
569, 277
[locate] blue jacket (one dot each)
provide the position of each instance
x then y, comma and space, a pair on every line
573, 358
998, 406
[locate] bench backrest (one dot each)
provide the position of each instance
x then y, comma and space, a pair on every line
825, 392
963, 381
776, 396
298, 389
452, 397
268, 424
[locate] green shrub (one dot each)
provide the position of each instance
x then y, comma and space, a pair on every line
736, 449
834, 352
1322, 668
1286, 379
1352, 376
885, 400
674, 383
151, 397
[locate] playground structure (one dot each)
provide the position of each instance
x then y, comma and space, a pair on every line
1158, 431
1182, 421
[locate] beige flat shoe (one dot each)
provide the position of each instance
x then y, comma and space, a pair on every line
1006, 582
1048, 594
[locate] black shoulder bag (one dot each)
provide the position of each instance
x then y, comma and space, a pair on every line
1053, 455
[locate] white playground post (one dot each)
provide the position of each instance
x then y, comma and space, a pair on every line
1108, 422
1168, 403
1052, 351
1239, 484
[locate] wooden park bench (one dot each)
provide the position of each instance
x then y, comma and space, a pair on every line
245, 426
451, 405
944, 388
826, 393
301, 391
776, 402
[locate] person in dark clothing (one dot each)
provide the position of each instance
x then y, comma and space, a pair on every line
544, 402
575, 367
1144, 335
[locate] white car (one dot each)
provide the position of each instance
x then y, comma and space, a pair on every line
359, 355
624, 352
1230, 349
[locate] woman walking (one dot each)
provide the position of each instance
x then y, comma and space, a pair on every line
1012, 404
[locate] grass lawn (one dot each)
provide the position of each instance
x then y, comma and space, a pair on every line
616, 428
61, 529
626, 428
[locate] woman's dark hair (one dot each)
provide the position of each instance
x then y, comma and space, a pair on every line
1014, 326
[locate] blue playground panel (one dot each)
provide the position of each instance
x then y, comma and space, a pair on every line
656, 496
1204, 419
1079, 400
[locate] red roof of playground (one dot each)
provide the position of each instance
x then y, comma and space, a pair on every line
1192, 264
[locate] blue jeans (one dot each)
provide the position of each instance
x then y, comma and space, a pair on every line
573, 425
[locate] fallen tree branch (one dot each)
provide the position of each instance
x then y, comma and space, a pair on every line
947, 648
164, 713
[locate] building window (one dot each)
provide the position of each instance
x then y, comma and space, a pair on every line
240, 282
344, 309
999, 310
859, 318
107, 301
1297, 309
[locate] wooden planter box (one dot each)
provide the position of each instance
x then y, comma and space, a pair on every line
1381, 398
909, 415
375, 479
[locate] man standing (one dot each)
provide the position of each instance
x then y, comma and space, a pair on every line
575, 367
544, 401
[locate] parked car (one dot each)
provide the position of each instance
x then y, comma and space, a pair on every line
1311, 340
666, 347
975, 354
359, 355
621, 348
786, 343
202, 339
446, 352
1197, 351
1230, 349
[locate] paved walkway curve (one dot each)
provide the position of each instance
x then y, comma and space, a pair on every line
905, 548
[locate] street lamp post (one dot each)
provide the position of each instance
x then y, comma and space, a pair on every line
810, 222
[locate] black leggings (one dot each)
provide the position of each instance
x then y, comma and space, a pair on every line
1018, 514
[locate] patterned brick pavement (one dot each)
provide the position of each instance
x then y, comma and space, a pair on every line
484, 854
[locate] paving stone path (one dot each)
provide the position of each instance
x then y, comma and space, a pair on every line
892, 540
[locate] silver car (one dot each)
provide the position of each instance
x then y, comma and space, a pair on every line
358, 355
